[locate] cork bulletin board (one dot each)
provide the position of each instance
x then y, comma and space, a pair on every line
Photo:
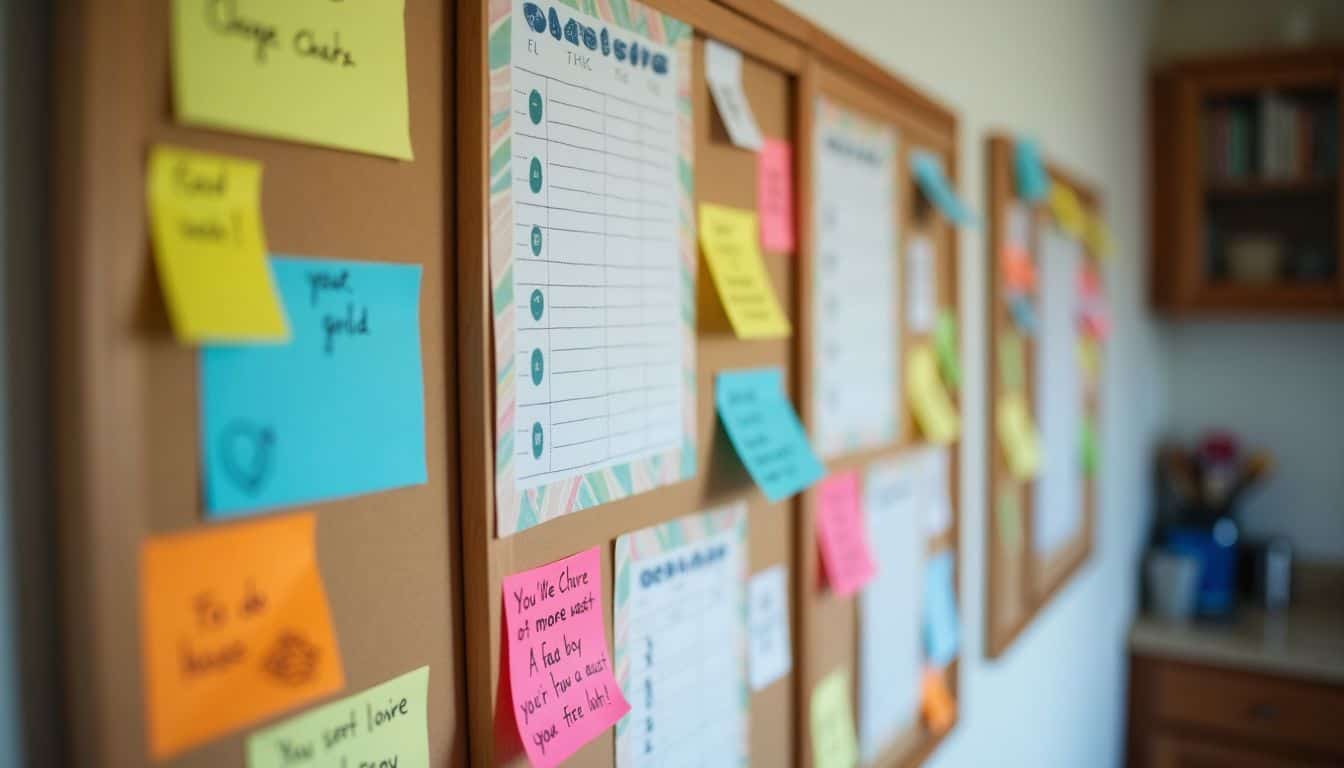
1027, 566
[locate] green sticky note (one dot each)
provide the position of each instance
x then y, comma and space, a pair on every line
1008, 507
834, 744
1089, 443
1010, 361
382, 726
945, 344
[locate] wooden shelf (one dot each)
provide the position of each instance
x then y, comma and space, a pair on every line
1239, 188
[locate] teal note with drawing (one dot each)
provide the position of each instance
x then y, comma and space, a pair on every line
337, 411
933, 183
765, 431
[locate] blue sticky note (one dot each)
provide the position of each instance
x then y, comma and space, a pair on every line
337, 411
765, 431
1032, 182
940, 625
1023, 312
928, 170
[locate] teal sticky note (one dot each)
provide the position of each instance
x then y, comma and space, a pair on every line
1032, 182
928, 170
765, 431
940, 625
336, 411
1023, 312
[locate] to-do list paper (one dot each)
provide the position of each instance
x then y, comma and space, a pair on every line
681, 642
854, 318
591, 339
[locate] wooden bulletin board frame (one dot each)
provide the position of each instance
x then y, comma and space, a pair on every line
126, 400
783, 62
1020, 583
828, 626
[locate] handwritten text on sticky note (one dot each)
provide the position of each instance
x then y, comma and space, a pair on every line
337, 411
728, 238
210, 249
834, 742
234, 628
842, 534
560, 675
330, 73
765, 431
382, 727
1017, 435
774, 195
928, 170
934, 411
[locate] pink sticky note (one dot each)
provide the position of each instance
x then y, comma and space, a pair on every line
560, 676
774, 194
842, 534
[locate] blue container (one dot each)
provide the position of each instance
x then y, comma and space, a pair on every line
1216, 550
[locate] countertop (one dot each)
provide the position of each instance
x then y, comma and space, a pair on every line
1304, 641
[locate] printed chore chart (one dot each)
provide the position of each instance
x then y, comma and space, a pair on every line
680, 625
593, 339
857, 389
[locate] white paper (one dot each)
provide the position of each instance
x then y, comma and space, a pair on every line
854, 315
769, 656
723, 73
889, 606
1059, 398
597, 256
921, 285
685, 643
937, 499
1019, 227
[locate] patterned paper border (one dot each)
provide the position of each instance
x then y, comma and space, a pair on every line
515, 511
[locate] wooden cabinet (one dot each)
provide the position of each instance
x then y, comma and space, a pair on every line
1191, 716
1245, 180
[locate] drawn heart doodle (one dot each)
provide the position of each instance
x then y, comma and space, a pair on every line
247, 451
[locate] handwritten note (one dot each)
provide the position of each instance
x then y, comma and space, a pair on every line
1023, 312
765, 431
1017, 435
1032, 182
946, 346
337, 411
560, 675
1067, 210
306, 70
723, 74
843, 535
1017, 270
1011, 370
921, 284
936, 702
769, 656
234, 628
382, 727
941, 633
728, 238
774, 195
1097, 236
928, 170
834, 744
681, 641
934, 411
209, 247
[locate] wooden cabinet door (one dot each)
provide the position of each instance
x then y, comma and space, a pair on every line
1178, 751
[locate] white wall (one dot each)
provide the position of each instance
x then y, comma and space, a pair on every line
1278, 385
1070, 73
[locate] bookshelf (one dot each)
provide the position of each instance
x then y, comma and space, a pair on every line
1245, 178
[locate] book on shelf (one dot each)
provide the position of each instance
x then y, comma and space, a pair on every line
1274, 138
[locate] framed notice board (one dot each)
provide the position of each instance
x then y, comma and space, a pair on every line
1046, 340
128, 408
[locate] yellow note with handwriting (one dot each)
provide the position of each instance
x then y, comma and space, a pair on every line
1098, 237
1068, 212
834, 743
728, 238
317, 71
1017, 435
205, 217
934, 410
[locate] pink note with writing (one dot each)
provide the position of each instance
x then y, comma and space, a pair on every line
774, 195
843, 535
560, 675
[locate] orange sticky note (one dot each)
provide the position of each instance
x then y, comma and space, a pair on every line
935, 701
843, 535
234, 628
1019, 274
774, 194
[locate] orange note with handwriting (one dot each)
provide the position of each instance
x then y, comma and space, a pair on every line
234, 628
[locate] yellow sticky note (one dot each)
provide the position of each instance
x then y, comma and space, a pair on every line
834, 743
1068, 212
1012, 374
205, 217
1089, 358
728, 238
1017, 435
317, 71
234, 628
934, 410
1097, 237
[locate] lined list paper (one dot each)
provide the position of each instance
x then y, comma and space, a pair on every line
596, 277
